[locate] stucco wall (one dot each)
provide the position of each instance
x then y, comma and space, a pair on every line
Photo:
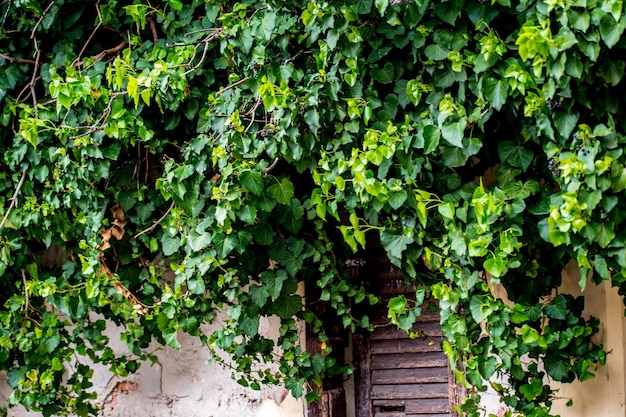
181, 384
602, 396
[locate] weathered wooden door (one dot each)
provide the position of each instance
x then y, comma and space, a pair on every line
398, 376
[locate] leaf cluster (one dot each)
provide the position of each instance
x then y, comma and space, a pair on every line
254, 147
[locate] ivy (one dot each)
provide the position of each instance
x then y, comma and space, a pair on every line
161, 164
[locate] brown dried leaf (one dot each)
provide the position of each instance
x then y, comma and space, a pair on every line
117, 212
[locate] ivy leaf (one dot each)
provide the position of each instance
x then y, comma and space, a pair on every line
496, 92
397, 199
169, 335
286, 306
249, 325
557, 309
454, 132
604, 234
273, 282
431, 138
170, 244
394, 243
252, 181
487, 367
480, 307
269, 21
516, 155
385, 74
199, 241
559, 369
49, 344
610, 30
196, 285
381, 5
282, 192
532, 390
258, 294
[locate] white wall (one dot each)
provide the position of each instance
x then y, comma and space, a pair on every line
181, 384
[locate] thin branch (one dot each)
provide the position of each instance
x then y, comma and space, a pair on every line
155, 224
111, 51
13, 199
26, 299
153, 29
33, 80
203, 30
17, 60
82, 51
233, 85
271, 167
4, 18
45, 12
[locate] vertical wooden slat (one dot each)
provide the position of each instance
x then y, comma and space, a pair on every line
314, 409
457, 392
334, 403
363, 377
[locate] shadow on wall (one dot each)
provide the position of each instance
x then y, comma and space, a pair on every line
286, 406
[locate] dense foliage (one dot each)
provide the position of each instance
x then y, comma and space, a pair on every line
247, 147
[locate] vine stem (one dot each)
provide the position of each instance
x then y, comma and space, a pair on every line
155, 224
13, 199
233, 85
26, 299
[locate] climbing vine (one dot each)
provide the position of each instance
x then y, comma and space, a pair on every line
164, 162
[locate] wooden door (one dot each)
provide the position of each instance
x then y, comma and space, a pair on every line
397, 376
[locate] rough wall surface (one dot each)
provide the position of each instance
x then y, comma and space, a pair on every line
181, 384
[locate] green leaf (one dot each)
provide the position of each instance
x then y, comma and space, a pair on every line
496, 92
557, 309
480, 307
454, 132
431, 138
397, 199
383, 75
436, 52
171, 244
169, 335
559, 369
487, 367
532, 390
269, 22
199, 241
516, 155
286, 306
273, 282
610, 29
604, 234
196, 285
249, 325
258, 294
282, 192
397, 305
252, 181
395, 244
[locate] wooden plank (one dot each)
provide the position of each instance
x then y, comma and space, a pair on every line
419, 345
386, 414
408, 392
363, 375
409, 376
428, 415
334, 403
409, 360
421, 406
379, 317
427, 406
431, 329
